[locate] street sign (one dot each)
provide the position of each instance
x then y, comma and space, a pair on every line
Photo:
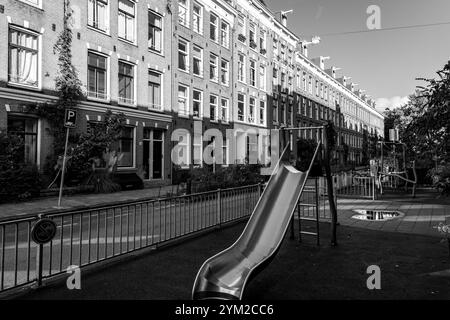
43, 231
70, 118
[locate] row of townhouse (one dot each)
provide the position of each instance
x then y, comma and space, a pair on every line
185, 65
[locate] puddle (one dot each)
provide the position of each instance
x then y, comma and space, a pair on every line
376, 215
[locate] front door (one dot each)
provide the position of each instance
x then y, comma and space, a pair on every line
153, 154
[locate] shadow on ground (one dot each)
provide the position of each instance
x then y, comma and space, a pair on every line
299, 271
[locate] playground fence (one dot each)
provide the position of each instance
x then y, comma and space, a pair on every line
89, 236
351, 185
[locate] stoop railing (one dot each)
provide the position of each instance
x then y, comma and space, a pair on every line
88, 236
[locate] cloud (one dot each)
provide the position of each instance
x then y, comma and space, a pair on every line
391, 103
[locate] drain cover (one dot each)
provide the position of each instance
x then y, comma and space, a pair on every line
376, 215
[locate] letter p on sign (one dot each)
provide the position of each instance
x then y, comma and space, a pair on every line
70, 118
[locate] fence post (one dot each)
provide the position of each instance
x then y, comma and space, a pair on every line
39, 263
219, 209
374, 194
259, 189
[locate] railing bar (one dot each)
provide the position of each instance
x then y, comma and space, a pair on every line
71, 239
121, 240
98, 235
81, 241
128, 228
89, 237
61, 240
16, 251
106, 233
2, 269
28, 249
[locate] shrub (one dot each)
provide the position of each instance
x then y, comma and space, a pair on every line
441, 178
18, 180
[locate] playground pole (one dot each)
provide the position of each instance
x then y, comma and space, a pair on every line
330, 191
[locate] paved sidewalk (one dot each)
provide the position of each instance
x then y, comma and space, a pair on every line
421, 215
49, 204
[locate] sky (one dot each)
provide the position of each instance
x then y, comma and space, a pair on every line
385, 63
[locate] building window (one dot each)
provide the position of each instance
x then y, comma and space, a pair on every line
35, 3
126, 20
262, 77
251, 110
262, 41
275, 113
198, 149
224, 34
252, 36
155, 32
213, 108
262, 112
253, 73
225, 152
224, 109
317, 88
23, 58
275, 77
310, 85
183, 12
154, 90
283, 81
198, 61
197, 103
126, 83
241, 28
214, 27
283, 113
241, 106
98, 16
26, 129
241, 67
197, 19
213, 68
183, 156
275, 47
97, 76
125, 147
225, 74
183, 55
183, 98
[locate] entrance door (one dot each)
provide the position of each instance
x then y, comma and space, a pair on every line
153, 154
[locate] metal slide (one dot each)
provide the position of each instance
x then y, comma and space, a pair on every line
225, 275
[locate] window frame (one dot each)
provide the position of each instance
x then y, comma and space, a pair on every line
107, 79
122, 100
199, 18
161, 30
152, 105
95, 22
127, 15
185, 53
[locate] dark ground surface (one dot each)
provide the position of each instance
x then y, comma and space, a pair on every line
299, 271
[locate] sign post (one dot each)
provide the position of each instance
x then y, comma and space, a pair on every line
69, 122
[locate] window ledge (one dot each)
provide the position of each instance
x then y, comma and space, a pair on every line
98, 30
131, 43
24, 86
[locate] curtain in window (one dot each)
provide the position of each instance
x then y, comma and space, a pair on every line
23, 58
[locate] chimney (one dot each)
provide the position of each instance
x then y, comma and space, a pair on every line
343, 80
284, 20
332, 71
320, 61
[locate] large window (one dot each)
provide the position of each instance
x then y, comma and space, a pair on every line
262, 112
127, 20
197, 103
251, 110
125, 147
241, 67
98, 16
253, 73
26, 129
225, 72
183, 12
126, 83
224, 34
262, 77
262, 41
213, 107
241, 106
155, 32
183, 98
23, 58
97, 76
183, 55
197, 19
214, 27
154, 90
198, 61
241, 28
198, 149
213, 67
252, 35
224, 109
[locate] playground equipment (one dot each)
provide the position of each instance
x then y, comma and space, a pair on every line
390, 172
225, 275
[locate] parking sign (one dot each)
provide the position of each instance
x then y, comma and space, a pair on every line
70, 118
